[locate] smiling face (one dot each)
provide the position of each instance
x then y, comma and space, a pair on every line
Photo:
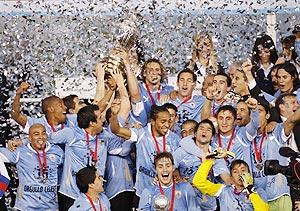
153, 73
38, 136
204, 134
58, 110
242, 114
161, 124
164, 169
225, 121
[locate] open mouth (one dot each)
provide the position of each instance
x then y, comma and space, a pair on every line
239, 118
165, 175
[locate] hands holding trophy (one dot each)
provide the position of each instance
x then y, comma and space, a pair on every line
126, 39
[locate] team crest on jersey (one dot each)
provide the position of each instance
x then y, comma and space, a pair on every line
52, 157
178, 194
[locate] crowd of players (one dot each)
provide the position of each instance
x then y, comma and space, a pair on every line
143, 144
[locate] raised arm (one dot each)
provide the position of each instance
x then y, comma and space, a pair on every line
206, 109
289, 124
102, 96
201, 182
100, 88
125, 103
253, 125
16, 115
115, 127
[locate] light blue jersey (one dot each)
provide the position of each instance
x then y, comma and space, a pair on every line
119, 167
185, 197
78, 155
188, 165
146, 151
34, 192
190, 109
242, 139
71, 121
164, 90
297, 47
83, 204
230, 199
215, 106
276, 185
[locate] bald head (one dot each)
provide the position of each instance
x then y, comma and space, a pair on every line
38, 136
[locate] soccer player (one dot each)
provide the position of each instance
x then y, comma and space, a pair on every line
215, 97
153, 86
37, 164
92, 197
150, 140
229, 136
84, 146
174, 118
266, 146
178, 196
73, 104
241, 195
188, 128
188, 163
189, 106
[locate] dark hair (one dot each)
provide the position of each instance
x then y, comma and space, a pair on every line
84, 177
170, 106
281, 98
289, 42
243, 101
290, 69
163, 74
238, 162
155, 110
47, 102
190, 121
163, 155
187, 71
211, 124
228, 79
227, 108
69, 102
266, 42
108, 115
86, 115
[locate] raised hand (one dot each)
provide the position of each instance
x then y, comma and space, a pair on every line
24, 86
251, 103
115, 106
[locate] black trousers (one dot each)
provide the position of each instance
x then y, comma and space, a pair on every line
136, 200
2, 204
64, 202
122, 201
